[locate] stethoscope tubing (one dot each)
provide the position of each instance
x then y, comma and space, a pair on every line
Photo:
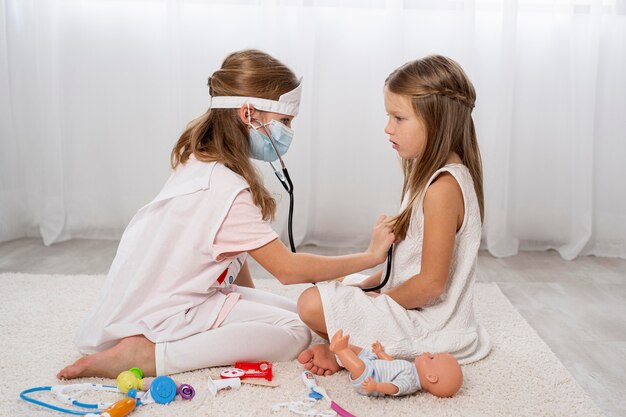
89, 407
387, 273
285, 180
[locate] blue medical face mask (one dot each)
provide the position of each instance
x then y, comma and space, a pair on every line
261, 146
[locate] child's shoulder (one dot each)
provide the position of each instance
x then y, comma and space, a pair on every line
444, 194
226, 177
444, 186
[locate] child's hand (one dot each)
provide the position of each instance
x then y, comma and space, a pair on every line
369, 385
382, 238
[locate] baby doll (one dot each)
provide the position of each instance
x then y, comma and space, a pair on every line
374, 372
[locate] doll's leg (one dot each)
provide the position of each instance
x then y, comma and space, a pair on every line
347, 354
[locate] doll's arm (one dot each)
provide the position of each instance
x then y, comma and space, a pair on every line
369, 385
378, 349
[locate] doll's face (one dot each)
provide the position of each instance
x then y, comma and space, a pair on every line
440, 373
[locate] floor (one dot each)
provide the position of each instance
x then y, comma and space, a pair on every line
578, 307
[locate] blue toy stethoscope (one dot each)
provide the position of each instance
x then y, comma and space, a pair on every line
162, 391
61, 394
285, 180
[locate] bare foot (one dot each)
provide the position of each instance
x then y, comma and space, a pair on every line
319, 360
133, 351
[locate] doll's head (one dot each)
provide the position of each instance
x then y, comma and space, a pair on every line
439, 373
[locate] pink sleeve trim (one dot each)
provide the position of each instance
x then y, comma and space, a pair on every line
233, 251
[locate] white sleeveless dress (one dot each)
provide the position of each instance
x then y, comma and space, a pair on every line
448, 324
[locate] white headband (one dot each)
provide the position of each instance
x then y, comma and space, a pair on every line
287, 103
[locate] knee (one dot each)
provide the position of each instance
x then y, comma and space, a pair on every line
303, 339
299, 340
309, 304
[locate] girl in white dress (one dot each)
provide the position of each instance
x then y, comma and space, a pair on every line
427, 305
179, 295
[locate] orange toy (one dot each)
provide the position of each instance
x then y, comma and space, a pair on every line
121, 408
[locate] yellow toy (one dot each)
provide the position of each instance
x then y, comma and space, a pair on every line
132, 379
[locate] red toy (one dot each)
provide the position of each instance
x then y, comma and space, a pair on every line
249, 370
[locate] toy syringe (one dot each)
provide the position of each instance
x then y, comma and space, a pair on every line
309, 381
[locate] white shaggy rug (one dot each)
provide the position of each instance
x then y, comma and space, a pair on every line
521, 376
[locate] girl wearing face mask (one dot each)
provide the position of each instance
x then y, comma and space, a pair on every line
179, 295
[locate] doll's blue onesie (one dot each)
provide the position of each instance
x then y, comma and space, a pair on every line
399, 372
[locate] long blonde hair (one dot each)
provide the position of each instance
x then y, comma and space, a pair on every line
220, 135
443, 97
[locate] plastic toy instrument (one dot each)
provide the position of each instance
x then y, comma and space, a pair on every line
249, 370
309, 381
162, 390
120, 408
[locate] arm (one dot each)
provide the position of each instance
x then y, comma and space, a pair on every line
443, 216
244, 278
294, 268
368, 282
387, 388
378, 349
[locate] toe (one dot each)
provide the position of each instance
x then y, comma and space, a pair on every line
305, 357
66, 373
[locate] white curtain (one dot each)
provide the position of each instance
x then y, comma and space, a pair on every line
94, 93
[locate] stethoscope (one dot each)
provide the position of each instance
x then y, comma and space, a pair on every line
61, 393
162, 391
283, 176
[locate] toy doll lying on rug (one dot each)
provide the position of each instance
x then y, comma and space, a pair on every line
374, 372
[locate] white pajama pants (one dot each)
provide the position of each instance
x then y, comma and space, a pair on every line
261, 327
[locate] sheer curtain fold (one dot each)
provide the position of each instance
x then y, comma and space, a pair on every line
96, 92
498, 234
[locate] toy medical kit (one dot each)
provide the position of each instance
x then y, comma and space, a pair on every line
162, 390
309, 381
216, 385
232, 373
120, 408
252, 381
61, 392
131, 379
186, 392
304, 408
249, 370
307, 407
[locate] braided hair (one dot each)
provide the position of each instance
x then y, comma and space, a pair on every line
443, 97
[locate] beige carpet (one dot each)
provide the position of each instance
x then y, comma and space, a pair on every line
521, 376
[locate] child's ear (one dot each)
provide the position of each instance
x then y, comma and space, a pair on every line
432, 378
246, 112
